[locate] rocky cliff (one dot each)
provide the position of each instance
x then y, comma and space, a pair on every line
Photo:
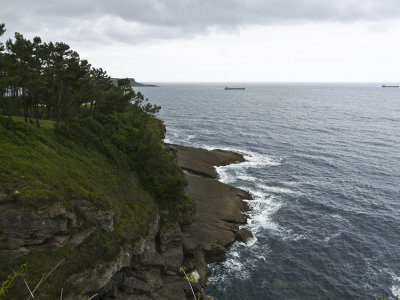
152, 267
148, 268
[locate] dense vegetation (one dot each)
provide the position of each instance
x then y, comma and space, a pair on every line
68, 134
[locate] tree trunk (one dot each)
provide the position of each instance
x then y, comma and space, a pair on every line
16, 95
25, 105
41, 112
36, 109
2, 100
59, 101
48, 112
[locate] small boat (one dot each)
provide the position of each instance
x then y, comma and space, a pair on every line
390, 85
234, 88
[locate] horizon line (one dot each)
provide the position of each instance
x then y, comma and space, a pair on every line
273, 82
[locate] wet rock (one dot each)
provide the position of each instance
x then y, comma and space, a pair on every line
214, 252
243, 235
201, 161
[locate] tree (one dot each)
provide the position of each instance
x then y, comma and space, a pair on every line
2, 68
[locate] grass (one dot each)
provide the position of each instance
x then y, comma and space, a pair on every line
121, 168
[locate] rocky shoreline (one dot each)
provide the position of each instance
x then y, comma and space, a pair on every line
220, 208
149, 268
152, 270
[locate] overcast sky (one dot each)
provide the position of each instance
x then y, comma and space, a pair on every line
222, 40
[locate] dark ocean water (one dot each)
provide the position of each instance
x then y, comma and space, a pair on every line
324, 167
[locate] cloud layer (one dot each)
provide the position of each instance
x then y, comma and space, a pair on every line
135, 21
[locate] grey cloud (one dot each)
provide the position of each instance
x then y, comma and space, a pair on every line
135, 21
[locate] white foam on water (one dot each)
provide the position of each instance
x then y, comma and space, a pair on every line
262, 208
231, 173
264, 204
291, 183
246, 178
276, 189
395, 289
168, 141
243, 257
234, 265
189, 137
260, 213
224, 175
328, 238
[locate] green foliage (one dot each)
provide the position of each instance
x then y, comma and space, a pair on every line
68, 135
8, 283
118, 167
190, 279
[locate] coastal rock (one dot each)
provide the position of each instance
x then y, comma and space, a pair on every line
201, 161
26, 227
152, 277
189, 244
132, 285
220, 208
171, 248
175, 288
243, 235
149, 257
149, 269
100, 276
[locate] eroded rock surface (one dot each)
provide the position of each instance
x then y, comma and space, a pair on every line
23, 227
150, 268
154, 273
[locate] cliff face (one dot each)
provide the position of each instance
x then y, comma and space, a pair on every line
154, 272
112, 237
151, 268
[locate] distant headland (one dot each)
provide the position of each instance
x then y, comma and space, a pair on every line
135, 83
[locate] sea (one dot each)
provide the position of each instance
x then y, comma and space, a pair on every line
323, 166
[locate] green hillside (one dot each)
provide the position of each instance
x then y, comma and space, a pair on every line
83, 170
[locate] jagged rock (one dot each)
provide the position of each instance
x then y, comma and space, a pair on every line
175, 288
214, 252
189, 244
152, 271
101, 275
243, 235
201, 161
23, 227
201, 267
125, 296
81, 236
171, 248
149, 257
152, 277
132, 285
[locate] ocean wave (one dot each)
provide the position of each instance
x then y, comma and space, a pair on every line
328, 238
242, 171
262, 208
395, 289
276, 189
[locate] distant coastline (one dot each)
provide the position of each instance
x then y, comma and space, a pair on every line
134, 83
